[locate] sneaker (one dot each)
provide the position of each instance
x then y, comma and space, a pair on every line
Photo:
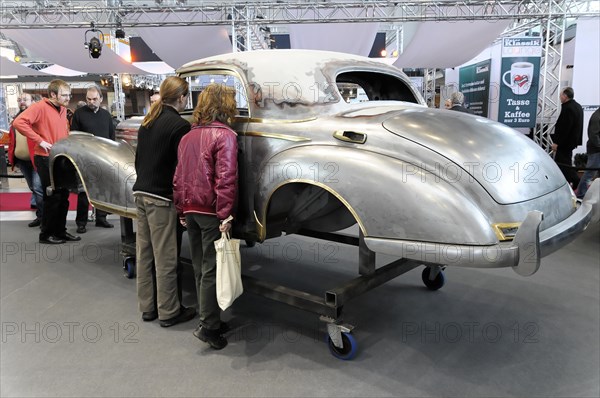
213, 337
185, 314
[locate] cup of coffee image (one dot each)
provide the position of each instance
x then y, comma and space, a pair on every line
521, 75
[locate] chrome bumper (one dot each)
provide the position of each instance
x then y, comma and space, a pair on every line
523, 254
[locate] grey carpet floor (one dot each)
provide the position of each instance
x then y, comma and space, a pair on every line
70, 327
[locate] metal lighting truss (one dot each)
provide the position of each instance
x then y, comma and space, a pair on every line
79, 14
245, 18
429, 86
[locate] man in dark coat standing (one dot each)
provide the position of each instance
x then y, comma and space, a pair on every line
94, 120
568, 134
457, 99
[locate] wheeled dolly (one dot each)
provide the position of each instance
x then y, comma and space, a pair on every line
340, 340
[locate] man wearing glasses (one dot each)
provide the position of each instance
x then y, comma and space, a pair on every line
45, 123
94, 120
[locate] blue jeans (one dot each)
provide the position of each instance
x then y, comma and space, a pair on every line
593, 162
34, 183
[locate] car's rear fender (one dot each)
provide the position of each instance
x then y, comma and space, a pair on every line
385, 202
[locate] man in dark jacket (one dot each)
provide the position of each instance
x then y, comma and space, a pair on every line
567, 135
457, 99
94, 120
593, 153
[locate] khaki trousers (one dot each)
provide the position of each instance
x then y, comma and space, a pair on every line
156, 251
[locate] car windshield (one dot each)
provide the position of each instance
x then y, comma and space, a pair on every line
200, 81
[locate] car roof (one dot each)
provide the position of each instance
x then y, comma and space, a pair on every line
293, 81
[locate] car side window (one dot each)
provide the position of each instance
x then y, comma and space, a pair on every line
369, 86
200, 81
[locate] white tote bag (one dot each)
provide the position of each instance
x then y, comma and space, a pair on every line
229, 270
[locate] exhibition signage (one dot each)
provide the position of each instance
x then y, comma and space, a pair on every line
519, 81
474, 83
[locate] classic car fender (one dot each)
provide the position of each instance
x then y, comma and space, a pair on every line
105, 168
433, 212
523, 254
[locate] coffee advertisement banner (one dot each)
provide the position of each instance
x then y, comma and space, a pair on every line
519, 81
474, 83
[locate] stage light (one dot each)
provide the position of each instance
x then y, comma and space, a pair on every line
95, 47
383, 53
120, 33
17, 58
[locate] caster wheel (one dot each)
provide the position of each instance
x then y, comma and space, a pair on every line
250, 243
129, 267
434, 284
348, 349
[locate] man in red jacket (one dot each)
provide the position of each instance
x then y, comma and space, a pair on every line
45, 123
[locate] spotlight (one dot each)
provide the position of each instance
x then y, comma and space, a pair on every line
17, 58
95, 47
120, 33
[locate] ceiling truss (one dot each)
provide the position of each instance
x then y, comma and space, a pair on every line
77, 14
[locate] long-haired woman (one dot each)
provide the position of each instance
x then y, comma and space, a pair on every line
156, 240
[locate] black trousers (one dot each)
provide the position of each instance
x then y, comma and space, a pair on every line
83, 206
56, 205
565, 158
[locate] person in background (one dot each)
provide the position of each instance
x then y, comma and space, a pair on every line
97, 121
448, 104
45, 123
156, 240
154, 98
568, 134
20, 154
457, 99
205, 192
593, 154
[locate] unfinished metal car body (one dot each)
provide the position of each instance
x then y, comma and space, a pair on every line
331, 140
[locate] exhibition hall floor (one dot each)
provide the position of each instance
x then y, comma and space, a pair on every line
70, 327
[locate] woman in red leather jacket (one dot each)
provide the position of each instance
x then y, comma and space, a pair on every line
204, 192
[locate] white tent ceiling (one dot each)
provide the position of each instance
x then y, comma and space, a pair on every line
10, 69
352, 38
178, 45
65, 47
446, 44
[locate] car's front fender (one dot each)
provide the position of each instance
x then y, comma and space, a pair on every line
106, 169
